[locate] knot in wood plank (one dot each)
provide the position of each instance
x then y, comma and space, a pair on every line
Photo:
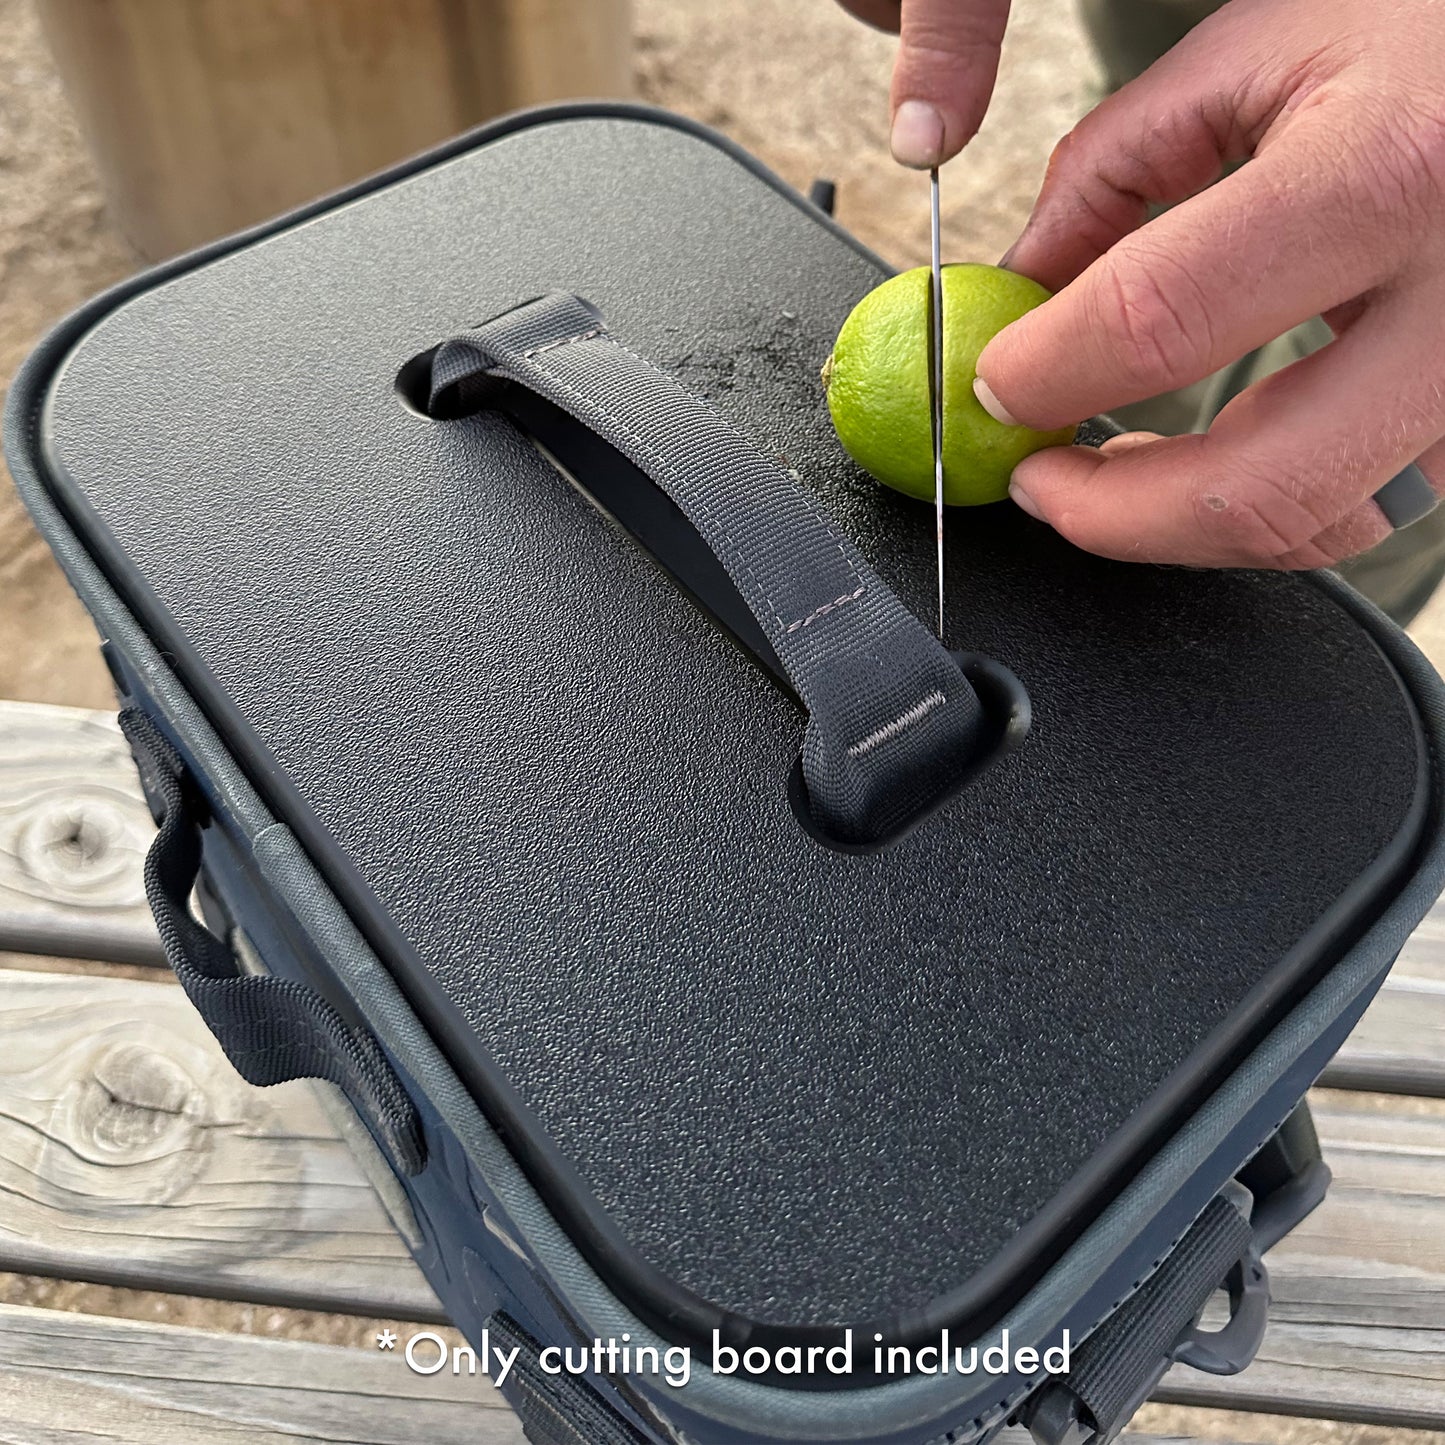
131, 1128
138, 1106
74, 830
80, 847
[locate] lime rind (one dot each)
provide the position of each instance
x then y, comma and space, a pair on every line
877, 384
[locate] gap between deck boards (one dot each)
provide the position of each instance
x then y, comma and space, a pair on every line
130, 1154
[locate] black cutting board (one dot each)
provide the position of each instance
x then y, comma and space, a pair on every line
753, 1075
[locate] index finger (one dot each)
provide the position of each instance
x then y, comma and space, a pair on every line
944, 75
1291, 235
1289, 460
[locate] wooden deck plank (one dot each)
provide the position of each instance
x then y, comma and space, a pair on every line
1018, 1436
73, 832
1357, 1326
1423, 956
1372, 1377
131, 1153
1399, 1045
1373, 1255
70, 1378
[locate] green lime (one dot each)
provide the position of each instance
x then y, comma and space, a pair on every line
877, 381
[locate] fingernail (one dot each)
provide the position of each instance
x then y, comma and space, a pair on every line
1127, 442
1006, 261
991, 404
1024, 502
917, 135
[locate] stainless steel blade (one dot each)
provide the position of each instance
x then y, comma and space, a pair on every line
935, 381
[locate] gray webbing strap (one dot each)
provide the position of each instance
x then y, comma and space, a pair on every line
272, 1029
891, 718
556, 1409
1138, 1339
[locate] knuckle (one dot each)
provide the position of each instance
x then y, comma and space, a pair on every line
951, 28
951, 32
1427, 138
1417, 166
1396, 164
1258, 515
1357, 532
1317, 553
1154, 319
1241, 529
1062, 157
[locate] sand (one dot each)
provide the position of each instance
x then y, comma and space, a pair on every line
802, 85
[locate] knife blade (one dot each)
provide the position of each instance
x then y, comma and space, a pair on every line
935, 380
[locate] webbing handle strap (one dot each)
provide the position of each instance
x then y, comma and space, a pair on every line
556, 1409
271, 1029
892, 721
1119, 1365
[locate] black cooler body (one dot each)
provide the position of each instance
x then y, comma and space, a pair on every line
522, 668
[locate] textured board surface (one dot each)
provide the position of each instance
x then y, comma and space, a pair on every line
461, 668
71, 765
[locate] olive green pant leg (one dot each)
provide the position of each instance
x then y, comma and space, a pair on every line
1399, 574
1130, 35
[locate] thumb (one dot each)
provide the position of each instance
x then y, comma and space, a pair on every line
943, 77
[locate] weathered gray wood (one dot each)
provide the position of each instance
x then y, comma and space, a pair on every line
1018, 1436
1423, 956
129, 1152
1399, 1045
132, 1153
73, 832
1373, 1255
1358, 1312
1366, 1376
67, 1379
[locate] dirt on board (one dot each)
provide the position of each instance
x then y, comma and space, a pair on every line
803, 86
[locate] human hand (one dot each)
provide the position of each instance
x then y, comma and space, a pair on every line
944, 74
1340, 213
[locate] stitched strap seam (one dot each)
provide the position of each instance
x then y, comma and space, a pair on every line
601, 333
900, 724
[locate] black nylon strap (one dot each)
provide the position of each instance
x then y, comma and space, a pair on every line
272, 1029
891, 719
1138, 1338
557, 1409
